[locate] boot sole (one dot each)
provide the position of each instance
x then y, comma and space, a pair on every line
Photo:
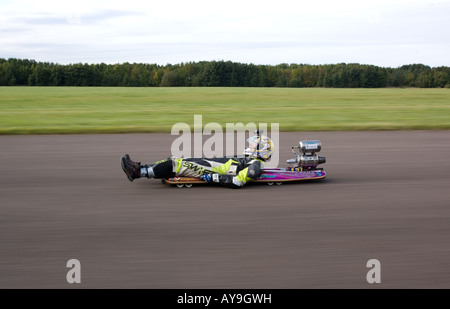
122, 162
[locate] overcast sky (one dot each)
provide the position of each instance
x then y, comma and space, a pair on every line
388, 33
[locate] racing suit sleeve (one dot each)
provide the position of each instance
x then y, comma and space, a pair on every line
251, 172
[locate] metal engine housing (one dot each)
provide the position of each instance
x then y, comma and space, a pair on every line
307, 146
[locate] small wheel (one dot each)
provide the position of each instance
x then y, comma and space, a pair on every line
188, 185
180, 185
278, 183
270, 183
163, 181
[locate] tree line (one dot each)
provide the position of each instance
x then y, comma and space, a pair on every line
24, 72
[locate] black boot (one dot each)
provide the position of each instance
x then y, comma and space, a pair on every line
132, 169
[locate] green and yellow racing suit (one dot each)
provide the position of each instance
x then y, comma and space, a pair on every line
233, 172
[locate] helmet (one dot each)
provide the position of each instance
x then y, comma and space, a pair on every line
259, 147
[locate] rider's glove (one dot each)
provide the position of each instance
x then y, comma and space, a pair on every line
206, 177
210, 177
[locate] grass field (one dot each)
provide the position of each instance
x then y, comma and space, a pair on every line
47, 110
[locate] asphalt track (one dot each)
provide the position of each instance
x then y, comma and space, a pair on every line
65, 197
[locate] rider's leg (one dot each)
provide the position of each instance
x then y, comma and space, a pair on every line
161, 169
135, 170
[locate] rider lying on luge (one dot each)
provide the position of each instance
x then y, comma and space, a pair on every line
231, 172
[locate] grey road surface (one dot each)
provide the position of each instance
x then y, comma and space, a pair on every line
386, 197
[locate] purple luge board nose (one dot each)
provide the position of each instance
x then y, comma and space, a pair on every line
274, 175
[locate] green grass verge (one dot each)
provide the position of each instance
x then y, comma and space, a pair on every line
56, 110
